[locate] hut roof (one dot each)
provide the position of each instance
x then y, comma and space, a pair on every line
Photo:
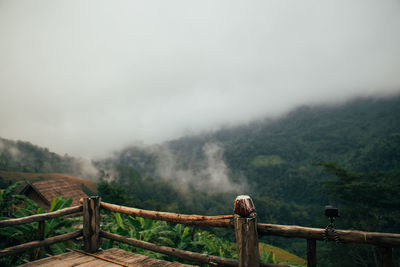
50, 189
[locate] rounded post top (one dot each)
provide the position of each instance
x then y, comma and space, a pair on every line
243, 206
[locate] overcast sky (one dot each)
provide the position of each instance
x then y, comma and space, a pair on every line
88, 77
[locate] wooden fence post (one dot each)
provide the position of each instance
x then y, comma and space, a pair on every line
91, 224
386, 257
311, 253
40, 237
246, 232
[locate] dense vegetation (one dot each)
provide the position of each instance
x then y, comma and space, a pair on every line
346, 155
13, 205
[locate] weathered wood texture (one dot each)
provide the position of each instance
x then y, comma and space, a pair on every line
247, 241
41, 217
41, 230
311, 253
106, 258
346, 236
91, 224
41, 243
386, 257
245, 223
40, 237
243, 206
212, 221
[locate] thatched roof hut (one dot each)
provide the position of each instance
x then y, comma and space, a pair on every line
43, 192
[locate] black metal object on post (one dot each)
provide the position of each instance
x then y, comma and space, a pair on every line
331, 212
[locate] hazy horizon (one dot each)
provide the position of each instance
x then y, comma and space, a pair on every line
89, 77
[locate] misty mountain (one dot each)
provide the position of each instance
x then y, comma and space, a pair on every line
26, 157
275, 157
268, 157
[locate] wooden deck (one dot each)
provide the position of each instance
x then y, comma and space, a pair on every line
111, 257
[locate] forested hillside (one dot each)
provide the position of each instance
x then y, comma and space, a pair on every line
292, 167
275, 157
347, 155
24, 156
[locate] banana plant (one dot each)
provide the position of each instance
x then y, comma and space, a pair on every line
161, 233
157, 232
267, 257
210, 244
182, 236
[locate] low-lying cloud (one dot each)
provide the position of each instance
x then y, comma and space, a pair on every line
208, 173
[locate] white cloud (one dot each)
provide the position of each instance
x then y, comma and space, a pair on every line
87, 77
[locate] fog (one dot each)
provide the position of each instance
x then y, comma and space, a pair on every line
89, 77
213, 176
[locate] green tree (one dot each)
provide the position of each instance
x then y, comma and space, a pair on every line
367, 201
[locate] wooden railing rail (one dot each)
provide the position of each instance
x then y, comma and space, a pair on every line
346, 236
41, 217
40, 243
199, 220
385, 241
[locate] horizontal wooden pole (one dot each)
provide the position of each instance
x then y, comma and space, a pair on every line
35, 244
212, 221
182, 254
345, 236
41, 217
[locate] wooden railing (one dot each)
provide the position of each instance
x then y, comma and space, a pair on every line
40, 218
244, 223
